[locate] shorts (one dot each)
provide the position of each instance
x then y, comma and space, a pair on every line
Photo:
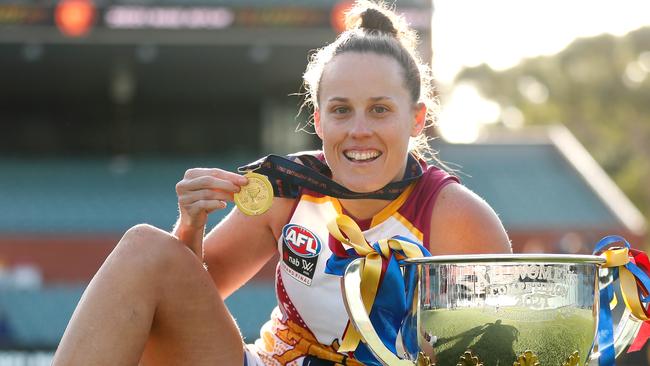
288, 344
251, 357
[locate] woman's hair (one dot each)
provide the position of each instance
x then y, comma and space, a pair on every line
372, 27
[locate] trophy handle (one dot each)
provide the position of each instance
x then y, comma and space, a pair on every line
626, 331
351, 283
627, 327
624, 334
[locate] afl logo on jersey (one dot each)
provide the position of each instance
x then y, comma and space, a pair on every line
301, 241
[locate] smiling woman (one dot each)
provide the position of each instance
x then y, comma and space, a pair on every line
366, 120
153, 302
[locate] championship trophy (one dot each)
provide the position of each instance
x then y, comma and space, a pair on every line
510, 309
467, 310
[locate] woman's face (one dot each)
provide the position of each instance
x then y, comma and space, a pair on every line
365, 119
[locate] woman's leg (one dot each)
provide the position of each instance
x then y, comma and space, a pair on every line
151, 301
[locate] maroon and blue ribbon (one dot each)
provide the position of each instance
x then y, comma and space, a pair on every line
631, 267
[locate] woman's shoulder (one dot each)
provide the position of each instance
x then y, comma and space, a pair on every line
463, 222
431, 182
433, 174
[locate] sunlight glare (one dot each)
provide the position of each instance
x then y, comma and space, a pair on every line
532, 89
464, 113
469, 33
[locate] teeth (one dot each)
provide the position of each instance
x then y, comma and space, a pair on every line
362, 155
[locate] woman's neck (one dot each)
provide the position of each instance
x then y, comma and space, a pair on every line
365, 208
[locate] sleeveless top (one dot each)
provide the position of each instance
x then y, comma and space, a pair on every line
310, 319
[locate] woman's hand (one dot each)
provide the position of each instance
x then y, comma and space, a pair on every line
201, 192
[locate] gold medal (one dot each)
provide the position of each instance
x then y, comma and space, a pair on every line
256, 197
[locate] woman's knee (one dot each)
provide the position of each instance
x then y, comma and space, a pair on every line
145, 233
155, 248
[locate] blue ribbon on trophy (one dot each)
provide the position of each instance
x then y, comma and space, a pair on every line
382, 285
631, 267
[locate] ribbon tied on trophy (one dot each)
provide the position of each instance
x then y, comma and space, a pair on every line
381, 260
632, 268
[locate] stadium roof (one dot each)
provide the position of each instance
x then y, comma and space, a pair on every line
542, 183
542, 178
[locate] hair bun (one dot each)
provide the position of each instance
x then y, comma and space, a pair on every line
371, 17
374, 19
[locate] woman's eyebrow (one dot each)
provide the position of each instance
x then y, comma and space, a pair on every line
337, 99
343, 99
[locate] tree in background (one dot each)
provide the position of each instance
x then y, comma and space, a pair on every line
599, 88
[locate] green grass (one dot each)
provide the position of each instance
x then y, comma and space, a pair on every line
499, 337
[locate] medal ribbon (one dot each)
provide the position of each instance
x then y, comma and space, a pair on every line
631, 267
287, 176
380, 265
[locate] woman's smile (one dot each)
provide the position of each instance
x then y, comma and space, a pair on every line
362, 156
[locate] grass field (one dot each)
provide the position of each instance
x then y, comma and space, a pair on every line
499, 337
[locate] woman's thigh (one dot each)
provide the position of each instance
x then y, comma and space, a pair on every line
191, 324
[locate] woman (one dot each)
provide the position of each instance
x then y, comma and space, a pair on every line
153, 302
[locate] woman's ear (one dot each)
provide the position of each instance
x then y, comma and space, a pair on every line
419, 120
317, 126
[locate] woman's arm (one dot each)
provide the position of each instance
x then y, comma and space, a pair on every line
237, 248
239, 245
463, 223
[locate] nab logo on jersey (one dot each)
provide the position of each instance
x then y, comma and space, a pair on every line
301, 241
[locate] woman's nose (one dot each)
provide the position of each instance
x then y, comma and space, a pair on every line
360, 127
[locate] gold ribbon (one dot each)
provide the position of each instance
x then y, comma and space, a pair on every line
370, 266
619, 257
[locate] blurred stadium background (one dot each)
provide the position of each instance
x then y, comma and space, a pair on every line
104, 105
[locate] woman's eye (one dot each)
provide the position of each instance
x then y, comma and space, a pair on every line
379, 109
340, 110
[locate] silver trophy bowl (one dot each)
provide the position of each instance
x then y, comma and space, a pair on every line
492, 310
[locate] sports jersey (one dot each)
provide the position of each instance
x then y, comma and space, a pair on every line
310, 320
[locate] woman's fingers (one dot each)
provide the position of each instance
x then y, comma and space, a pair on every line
205, 183
195, 215
217, 173
201, 192
225, 184
189, 197
206, 206
204, 190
